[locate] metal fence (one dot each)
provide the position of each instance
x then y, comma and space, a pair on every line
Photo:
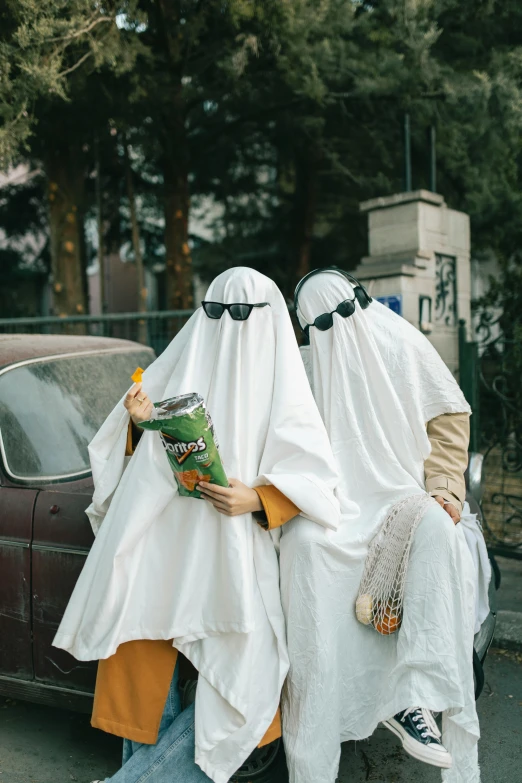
155, 328
491, 380
152, 328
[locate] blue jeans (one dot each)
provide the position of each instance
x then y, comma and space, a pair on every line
171, 759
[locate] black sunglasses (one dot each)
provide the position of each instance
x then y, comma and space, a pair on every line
238, 311
325, 321
344, 309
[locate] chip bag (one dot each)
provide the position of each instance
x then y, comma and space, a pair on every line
188, 437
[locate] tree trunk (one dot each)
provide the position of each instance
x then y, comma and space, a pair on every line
99, 222
66, 184
305, 208
178, 259
176, 166
177, 205
136, 244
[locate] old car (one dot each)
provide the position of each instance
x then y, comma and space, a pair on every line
55, 392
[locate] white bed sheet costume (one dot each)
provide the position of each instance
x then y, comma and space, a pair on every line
170, 567
377, 382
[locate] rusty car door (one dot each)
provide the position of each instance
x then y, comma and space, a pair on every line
61, 541
16, 516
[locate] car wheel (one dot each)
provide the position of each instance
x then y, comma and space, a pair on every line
187, 691
264, 765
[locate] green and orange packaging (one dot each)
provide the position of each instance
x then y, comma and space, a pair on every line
188, 437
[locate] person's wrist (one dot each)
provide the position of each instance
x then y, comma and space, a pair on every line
256, 502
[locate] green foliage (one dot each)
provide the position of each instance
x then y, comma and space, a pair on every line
330, 104
42, 44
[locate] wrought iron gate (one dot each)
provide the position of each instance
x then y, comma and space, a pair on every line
490, 378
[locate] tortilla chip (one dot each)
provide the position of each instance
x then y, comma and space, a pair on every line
189, 478
136, 375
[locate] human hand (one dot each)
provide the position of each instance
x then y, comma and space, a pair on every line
138, 404
232, 500
449, 508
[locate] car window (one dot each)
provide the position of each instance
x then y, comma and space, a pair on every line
51, 410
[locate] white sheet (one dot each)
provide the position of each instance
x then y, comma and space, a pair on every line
170, 567
481, 565
377, 382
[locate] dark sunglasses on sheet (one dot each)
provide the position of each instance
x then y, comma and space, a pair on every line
238, 311
324, 321
345, 309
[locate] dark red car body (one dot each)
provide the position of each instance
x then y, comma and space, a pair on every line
45, 534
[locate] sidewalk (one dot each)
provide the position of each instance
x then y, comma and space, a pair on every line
508, 631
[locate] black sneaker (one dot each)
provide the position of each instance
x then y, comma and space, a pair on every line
420, 736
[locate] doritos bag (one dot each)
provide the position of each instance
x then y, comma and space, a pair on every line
187, 434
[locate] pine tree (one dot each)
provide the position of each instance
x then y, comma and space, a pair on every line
285, 114
348, 73
195, 55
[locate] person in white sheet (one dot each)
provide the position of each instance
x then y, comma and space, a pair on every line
398, 425
201, 574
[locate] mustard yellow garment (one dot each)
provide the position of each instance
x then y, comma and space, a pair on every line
132, 687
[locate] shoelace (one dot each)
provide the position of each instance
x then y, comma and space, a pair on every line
423, 719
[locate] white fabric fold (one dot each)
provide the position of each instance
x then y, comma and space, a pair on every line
482, 567
170, 567
377, 382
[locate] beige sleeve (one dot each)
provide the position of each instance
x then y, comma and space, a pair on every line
444, 469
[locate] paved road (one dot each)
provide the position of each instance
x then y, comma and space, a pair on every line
42, 745
382, 760
509, 597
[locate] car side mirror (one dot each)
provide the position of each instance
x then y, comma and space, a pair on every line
475, 476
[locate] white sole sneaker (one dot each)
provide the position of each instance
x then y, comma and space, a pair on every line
433, 754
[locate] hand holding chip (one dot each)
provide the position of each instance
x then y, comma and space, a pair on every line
138, 404
232, 500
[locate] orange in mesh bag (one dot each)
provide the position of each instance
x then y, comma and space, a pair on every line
381, 593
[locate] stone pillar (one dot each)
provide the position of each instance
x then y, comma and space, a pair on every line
419, 264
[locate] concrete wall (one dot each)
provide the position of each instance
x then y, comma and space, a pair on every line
419, 248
